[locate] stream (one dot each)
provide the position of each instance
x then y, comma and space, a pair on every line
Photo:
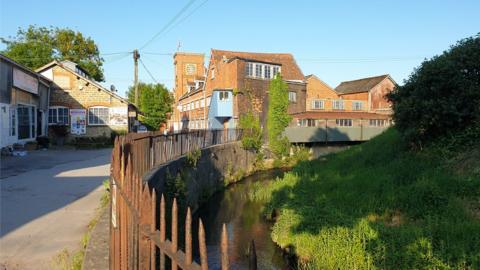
245, 222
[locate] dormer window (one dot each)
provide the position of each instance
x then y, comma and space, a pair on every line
261, 71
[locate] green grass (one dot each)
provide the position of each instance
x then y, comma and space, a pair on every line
380, 206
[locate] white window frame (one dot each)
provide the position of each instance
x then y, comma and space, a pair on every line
321, 107
249, 69
355, 106
344, 122
56, 115
267, 69
32, 126
292, 94
221, 96
202, 103
99, 124
338, 104
258, 70
12, 120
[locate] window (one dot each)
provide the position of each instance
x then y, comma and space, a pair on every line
338, 104
190, 69
208, 101
292, 96
378, 122
26, 121
276, 70
357, 105
184, 108
197, 104
202, 103
223, 95
98, 116
318, 104
258, 70
213, 74
267, 72
249, 69
308, 122
344, 122
58, 115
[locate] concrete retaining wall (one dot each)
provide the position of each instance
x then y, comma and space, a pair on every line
217, 167
332, 134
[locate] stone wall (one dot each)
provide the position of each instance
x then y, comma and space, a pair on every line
217, 167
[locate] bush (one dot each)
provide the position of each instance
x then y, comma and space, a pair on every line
59, 130
441, 96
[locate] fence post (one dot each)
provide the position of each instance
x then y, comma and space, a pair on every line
202, 246
174, 231
224, 248
252, 257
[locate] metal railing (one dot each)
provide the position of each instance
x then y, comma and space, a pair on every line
138, 237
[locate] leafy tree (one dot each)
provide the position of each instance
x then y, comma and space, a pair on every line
155, 102
37, 46
442, 96
278, 118
252, 131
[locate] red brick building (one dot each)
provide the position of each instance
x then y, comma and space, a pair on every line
233, 83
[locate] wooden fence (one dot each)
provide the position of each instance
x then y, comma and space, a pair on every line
138, 229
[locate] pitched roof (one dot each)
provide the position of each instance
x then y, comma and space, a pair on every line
24, 68
55, 62
360, 85
321, 81
290, 69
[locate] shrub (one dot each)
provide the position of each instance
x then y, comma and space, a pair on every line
441, 96
59, 130
193, 157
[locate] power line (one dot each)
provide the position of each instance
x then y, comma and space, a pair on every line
179, 13
188, 15
148, 71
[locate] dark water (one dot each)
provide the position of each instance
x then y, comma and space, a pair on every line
244, 222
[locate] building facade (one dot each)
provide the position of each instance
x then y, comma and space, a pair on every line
24, 98
83, 105
234, 83
351, 103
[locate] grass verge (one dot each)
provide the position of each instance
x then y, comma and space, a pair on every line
380, 206
67, 260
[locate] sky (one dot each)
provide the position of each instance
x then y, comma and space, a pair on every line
335, 40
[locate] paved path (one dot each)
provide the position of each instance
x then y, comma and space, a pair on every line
44, 211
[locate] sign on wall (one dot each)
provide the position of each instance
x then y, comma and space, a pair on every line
118, 116
25, 81
78, 122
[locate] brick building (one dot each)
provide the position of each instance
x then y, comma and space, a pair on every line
23, 103
84, 105
233, 83
351, 103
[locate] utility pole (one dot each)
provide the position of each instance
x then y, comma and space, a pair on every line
136, 56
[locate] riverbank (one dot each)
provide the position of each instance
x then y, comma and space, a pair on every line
378, 205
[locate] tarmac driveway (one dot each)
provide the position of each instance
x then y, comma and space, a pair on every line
47, 200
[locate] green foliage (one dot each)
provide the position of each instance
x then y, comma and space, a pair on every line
155, 102
380, 206
251, 131
278, 118
175, 187
441, 96
193, 157
37, 46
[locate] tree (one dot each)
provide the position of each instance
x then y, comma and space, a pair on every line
155, 102
441, 96
38, 46
278, 118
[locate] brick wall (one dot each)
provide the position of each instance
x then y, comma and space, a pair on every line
75, 92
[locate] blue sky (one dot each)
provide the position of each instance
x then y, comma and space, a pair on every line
336, 40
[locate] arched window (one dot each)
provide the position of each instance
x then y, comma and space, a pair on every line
98, 116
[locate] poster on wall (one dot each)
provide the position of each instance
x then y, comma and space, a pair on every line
118, 116
78, 122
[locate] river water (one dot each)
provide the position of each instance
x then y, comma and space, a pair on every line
245, 223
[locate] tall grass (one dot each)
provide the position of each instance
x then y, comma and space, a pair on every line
379, 206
